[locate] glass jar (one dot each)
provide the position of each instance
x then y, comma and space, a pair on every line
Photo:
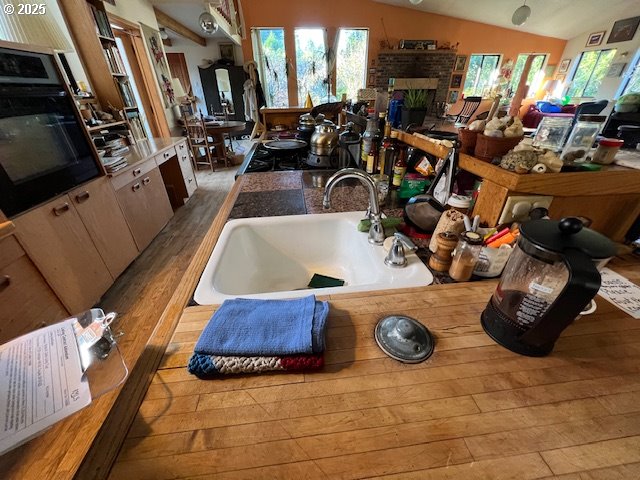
606, 151
465, 256
459, 203
582, 138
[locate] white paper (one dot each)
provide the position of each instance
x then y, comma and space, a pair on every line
621, 292
40, 383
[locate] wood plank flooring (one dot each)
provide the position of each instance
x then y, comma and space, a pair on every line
474, 410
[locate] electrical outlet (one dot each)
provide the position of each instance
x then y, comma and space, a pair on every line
517, 208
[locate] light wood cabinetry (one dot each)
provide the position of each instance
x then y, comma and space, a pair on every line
59, 244
145, 205
27, 301
101, 214
178, 176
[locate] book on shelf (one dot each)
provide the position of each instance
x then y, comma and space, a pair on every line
114, 60
126, 91
102, 22
135, 123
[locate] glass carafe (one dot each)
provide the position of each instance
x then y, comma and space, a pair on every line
549, 279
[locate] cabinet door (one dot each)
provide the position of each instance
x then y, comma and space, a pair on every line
146, 207
101, 214
59, 244
26, 301
186, 168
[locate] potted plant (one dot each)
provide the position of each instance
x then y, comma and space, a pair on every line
414, 108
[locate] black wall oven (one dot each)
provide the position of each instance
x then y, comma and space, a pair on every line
44, 150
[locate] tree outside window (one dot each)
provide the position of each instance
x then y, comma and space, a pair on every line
272, 63
480, 74
591, 69
311, 65
633, 85
536, 65
351, 61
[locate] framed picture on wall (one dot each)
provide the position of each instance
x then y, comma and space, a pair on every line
595, 39
461, 63
456, 81
624, 30
564, 65
227, 52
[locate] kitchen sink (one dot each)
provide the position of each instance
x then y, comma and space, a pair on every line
275, 257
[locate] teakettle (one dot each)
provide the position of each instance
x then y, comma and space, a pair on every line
550, 278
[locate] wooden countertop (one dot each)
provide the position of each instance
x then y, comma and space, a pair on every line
146, 149
473, 410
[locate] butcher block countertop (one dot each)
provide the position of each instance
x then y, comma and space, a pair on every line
474, 410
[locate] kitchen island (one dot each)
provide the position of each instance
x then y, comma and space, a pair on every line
473, 410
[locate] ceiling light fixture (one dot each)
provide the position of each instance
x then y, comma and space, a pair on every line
415, 2
163, 34
521, 14
207, 23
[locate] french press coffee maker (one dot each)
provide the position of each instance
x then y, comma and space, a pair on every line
551, 276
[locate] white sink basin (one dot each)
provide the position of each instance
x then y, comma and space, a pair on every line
275, 257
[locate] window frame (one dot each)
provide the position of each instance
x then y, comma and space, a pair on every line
634, 66
577, 67
530, 92
302, 96
475, 86
257, 52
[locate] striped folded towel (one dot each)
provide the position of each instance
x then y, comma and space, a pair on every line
211, 366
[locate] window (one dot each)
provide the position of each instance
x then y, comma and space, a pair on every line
536, 66
633, 79
311, 65
351, 61
482, 72
591, 69
271, 58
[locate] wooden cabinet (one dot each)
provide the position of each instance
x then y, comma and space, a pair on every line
177, 174
59, 244
146, 206
101, 214
26, 301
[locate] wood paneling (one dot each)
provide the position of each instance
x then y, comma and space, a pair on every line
178, 67
101, 214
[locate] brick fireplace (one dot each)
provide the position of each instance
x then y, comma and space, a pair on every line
417, 64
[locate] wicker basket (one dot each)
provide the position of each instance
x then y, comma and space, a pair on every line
467, 140
487, 148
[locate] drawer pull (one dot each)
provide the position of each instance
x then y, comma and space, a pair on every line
166, 154
190, 180
137, 172
181, 146
83, 197
146, 181
61, 209
135, 187
5, 281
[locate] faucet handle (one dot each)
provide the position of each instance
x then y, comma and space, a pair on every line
406, 241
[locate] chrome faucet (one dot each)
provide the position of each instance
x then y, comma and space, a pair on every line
396, 257
376, 232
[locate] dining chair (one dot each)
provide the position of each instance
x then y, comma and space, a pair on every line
201, 148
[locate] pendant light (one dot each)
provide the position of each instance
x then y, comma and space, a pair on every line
415, 2
521, 14
207, 23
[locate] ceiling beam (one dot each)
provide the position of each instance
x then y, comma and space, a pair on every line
175, 26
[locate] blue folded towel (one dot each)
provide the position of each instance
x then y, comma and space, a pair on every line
246, 327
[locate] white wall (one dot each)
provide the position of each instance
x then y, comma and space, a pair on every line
194, 55
576, 46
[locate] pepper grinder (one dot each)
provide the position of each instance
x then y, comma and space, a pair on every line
441, 260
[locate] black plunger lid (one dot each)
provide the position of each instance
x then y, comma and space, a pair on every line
568, 233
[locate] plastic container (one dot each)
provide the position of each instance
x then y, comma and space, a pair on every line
459, 203
582, 138
606, 152
491, 261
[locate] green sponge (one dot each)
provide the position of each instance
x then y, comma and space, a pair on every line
322, 281
388, 222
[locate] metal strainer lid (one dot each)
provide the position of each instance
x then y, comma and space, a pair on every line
404, 339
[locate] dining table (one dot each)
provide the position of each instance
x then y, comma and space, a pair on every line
217, 130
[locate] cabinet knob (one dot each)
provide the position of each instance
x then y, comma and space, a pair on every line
146, 181
137, 172
83, 197
135, 187
61, 209
190, 180
5, 281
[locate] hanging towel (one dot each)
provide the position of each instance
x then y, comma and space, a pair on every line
247, 327
208, 366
